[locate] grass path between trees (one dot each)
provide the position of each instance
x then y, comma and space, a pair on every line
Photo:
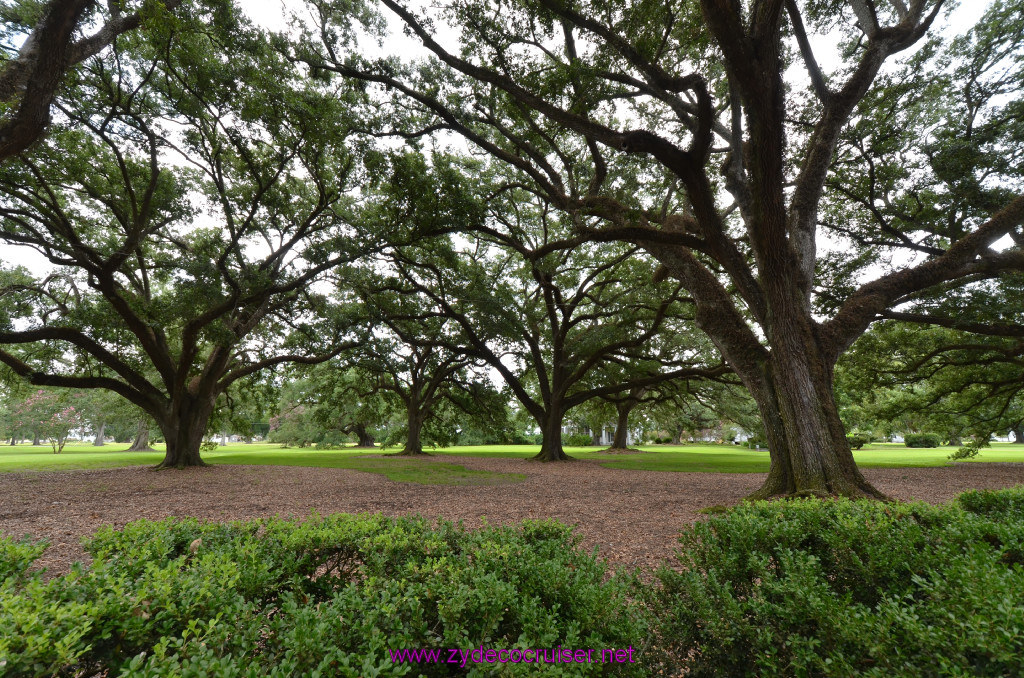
442, 467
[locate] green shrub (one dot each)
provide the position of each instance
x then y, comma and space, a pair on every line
327, 596
208, 446
757, 441
577, 440
841, 588
1002, 505
16, 557
922, 440
858, 439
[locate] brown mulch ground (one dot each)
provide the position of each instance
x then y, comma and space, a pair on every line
632, 517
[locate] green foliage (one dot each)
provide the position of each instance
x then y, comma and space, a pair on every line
999, 505
858, 439
208, 446
327, 596
801, 588
16, 557
757, 441
969, 450
922, 440
576, 440
841, 588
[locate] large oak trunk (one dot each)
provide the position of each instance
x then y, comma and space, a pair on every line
100, 438
364, 436
1018, 435
810, 455
551, 443
413, 441
184, 433
141, 443
621, 439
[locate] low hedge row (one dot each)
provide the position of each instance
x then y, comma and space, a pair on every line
802, 588
922, 440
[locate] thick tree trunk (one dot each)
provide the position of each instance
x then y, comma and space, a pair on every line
35, 438
413, 443
551, 444
621, 439
677, 439
141, 443
99, 440
364, 436
1018, 434
183, 434
595, 436
810, 455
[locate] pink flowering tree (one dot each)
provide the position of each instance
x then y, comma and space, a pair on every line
50, 415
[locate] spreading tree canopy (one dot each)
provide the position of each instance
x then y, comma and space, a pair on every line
31, 76
562, 320
676, 125
186, 201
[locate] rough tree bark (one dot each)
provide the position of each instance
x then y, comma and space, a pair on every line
184, 427
810, 455
99, 440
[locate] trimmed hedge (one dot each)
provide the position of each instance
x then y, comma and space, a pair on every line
799, 588
841, 588
922, 440
577, 440
325, 597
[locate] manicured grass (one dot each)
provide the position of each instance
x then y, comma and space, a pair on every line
440, 469
400, 469
710, 458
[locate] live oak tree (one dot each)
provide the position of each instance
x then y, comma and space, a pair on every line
328, 403
691, 97
32, 74
550, 312
627, 403
187, 202
953, 375
621, 410
405, 364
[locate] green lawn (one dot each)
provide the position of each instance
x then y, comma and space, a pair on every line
422, 471
736, 459
443, 467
